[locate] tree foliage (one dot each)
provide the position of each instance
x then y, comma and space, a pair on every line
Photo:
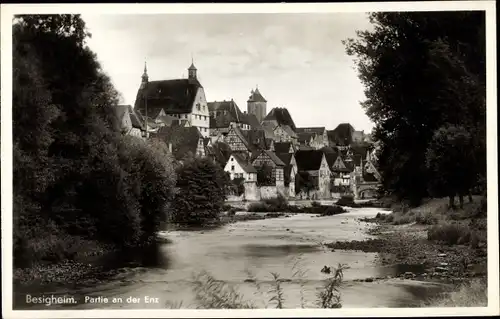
76, 178
265, 175
421, 70
201, 191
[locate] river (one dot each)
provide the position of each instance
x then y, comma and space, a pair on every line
261, 247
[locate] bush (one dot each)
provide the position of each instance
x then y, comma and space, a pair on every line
426, 218
450, 234
315, 204
201, 192
258, 207
345, 200
277, 203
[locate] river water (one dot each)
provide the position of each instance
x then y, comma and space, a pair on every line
236, 252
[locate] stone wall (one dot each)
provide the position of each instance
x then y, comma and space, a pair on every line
268, 192
251, 191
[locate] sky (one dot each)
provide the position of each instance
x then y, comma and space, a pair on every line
297, 60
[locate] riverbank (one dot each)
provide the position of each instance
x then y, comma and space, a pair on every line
430, 242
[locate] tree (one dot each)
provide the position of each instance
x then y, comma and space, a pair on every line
421, 70
265, 176
304, 182
201, 191
76, 178
452, 162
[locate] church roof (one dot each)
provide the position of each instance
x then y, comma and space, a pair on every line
173, 96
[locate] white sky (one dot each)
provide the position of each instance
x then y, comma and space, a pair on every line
297, 60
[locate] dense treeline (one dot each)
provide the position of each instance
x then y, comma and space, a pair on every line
79, 185
425, 80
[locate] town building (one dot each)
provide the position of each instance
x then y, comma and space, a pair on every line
289, 172
183, 99
130, 123
315, 164
182, 141
314, 137
238, 166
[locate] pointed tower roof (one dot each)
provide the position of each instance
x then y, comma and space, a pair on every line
256, 96
192, 67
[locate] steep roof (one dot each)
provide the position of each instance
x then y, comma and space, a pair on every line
270, 154
183, 139
256, 96
135, 119
227, 108
315, 130
304, 137
285, 157
221, 152
289, 131
282, 147
256, 138
282, 116
368, 177
342, 134
221, 121
251, 119
242, 161
268, 127
309, 160
173, 96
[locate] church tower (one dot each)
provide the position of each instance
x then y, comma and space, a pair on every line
257, 105
144, 77
192, 71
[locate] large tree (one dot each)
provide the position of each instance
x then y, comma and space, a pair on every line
420, 70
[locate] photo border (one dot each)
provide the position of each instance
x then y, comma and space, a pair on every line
9, 10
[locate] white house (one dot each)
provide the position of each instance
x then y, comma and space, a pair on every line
183, 99
238, 167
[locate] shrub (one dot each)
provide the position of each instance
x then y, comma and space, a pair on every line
201, 192
450, 234
468, 294
401, 220
390, 218
426, 218
315, 204
258, 207
277, 203
345, 200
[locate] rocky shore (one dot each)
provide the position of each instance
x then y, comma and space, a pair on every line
407, 245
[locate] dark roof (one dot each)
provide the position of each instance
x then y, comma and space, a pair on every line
330, 158
255, 138
256, 96
183, 139
135, 119
342, 134
221, 121
243, 162
282, 147
221, 152
316, 130
251, 119
268, 127
173, 96
289, 130
309, 160
230, 108
305, 148
285, 157
368, 177
304, 137
282, 116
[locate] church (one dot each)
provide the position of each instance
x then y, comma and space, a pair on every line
183, 99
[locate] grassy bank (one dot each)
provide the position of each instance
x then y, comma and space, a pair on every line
450, 244
472, 293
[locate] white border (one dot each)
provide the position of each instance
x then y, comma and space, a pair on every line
7, 11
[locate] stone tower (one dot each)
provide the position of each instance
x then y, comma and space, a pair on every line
257, 105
